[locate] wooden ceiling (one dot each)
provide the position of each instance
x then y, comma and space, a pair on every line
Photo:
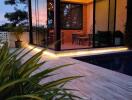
78, 1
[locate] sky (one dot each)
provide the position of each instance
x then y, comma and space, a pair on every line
42, 11
3, 9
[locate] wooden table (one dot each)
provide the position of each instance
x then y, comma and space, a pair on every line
75, 36
85, 38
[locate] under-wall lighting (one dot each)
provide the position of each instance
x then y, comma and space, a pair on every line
78, 53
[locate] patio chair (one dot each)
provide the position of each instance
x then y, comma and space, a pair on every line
103, 38
118, 38
85, 39
75, 38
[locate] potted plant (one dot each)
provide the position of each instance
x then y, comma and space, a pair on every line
18, 31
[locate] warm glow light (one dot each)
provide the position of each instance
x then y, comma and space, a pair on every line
37, 49
50, 54
92, 52
78, 1
79, 53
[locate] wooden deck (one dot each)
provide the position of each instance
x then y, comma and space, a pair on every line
98, 83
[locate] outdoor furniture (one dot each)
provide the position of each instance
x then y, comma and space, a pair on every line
118, 38
82, 40
75, 37
85, 39
103, 38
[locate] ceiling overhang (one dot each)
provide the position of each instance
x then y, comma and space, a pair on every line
78, 1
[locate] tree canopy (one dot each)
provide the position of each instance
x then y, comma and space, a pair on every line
20, 15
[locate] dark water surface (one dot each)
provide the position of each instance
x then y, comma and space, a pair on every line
120, 62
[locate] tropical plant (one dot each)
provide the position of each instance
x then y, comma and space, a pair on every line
18, 32
19, 82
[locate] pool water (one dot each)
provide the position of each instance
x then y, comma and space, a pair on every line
120, 62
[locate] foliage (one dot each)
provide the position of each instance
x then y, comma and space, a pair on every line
20, 15
16, 17
17, 31
13, 2
4, 27
17, 81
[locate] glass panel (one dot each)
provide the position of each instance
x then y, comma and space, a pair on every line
76, 24
121, 16
112, 11
39, 20
51, 33
102, 36
71, 16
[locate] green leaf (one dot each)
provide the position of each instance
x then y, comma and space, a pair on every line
59, 82
29, 72
28, 64
11, 84
40, 75
30, 96
17, 80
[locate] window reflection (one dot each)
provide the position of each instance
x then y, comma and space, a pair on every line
71, 16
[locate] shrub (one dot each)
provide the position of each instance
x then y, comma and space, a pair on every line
18, 83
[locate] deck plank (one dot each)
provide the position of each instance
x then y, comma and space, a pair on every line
97, 84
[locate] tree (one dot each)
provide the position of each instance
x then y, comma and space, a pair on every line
20, 15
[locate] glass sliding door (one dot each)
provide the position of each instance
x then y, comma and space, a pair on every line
76, 24
104, 22
39, 21
112, 15
51, 37
101, 22
121, 16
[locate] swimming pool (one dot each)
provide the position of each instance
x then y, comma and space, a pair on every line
120, 62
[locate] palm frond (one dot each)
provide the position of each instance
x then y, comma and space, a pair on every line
18, 79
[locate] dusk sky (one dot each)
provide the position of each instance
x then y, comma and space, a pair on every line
3, 9
42, 11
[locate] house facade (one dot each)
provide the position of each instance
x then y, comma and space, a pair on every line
77, 24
